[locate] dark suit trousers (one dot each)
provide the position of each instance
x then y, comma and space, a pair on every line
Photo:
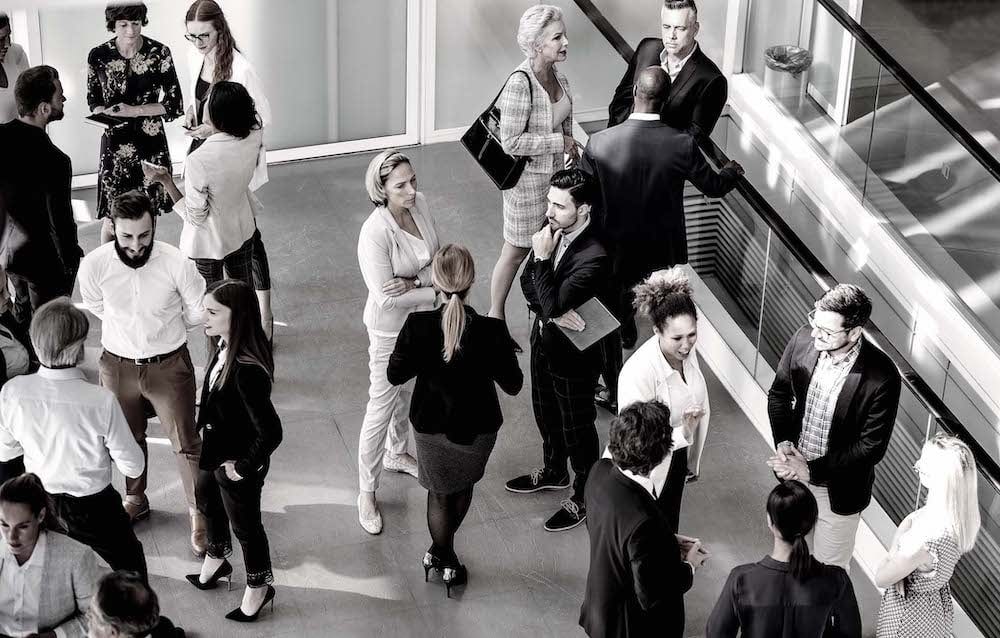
563, 402
225, 502
100, 522
625, 275
669, 500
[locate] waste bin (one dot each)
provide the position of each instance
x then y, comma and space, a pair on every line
784, 72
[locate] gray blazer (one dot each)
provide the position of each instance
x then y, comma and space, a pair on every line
69, 581
518, 107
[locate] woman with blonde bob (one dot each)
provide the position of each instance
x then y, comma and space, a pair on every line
536, 120
395, 248
928, 544
456, 356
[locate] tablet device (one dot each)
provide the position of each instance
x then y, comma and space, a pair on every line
598, 321
103, 120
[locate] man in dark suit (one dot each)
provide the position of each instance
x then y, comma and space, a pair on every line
832, 408
567, 267
639, 570
698, 89
640, 168
38, 244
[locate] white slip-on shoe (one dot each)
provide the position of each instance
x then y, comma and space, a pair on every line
371, 525
402, 463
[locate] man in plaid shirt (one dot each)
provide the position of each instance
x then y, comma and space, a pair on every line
832, 408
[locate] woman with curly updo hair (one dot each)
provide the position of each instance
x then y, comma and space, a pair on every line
665, 368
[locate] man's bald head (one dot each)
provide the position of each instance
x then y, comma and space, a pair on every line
651, 89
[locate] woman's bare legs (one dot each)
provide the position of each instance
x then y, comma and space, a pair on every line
503, 276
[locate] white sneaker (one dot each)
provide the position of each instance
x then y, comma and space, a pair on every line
371, 525
402, 463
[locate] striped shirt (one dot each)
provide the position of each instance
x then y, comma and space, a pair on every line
827, 380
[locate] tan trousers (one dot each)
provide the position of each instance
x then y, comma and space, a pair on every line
832, 540
170, 387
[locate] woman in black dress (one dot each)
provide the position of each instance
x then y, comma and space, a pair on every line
456, 356
131, 77
240, 430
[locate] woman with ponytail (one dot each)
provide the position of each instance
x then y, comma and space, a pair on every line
456, 356
788, 593
665, 368
928, 544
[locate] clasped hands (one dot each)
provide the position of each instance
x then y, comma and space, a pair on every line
788, 463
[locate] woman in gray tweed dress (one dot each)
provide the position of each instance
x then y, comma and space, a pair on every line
536, 120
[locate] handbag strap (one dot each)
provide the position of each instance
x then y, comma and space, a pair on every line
531, 94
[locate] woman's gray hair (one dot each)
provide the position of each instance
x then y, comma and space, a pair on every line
533, 23
57, 332
378, 171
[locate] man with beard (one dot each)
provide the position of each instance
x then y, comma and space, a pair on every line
38, 243
148, 295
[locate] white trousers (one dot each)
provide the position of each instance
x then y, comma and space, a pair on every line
832, 540
387, 422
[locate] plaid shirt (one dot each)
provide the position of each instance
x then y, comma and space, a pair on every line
821, 399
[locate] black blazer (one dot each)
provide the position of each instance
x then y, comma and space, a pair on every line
862, 419
238, 420
38, 239
763, 600
696, 98
640, 168
457, 398
637, 580
583, 272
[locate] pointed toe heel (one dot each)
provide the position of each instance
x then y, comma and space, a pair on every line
225, 570
238, 615
453, 576
430, 562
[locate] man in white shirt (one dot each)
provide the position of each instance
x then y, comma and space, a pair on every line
13, 62
148, 295
70, 432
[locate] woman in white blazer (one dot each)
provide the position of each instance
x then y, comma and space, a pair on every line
47, 579
666, 368
215, 58
218, 205
395, 249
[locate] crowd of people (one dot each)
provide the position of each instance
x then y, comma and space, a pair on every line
603, 223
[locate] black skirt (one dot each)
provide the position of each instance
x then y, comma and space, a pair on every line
445, 467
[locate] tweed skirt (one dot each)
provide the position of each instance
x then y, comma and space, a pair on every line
446, 467
524, 208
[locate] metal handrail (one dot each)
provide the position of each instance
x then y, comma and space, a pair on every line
913, 381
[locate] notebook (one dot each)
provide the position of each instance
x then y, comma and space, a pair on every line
103, 120
599, 323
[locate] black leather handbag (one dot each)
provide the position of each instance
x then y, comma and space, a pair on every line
483, 141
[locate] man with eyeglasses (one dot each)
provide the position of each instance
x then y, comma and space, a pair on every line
832, 408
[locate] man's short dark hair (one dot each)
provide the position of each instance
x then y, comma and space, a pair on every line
34, 87
849, 301
4, 20
125, 602
681, 4
131, 11
131, 205
641, 437
577, 182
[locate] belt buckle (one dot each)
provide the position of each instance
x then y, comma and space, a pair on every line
140, 362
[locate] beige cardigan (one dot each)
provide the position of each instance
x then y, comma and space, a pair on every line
383, 255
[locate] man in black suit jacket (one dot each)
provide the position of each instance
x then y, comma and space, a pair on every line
832, 408
639, 570
698, 90
567, 267
640, 168
38, 244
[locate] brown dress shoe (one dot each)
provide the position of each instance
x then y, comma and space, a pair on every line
136, 511
199, 535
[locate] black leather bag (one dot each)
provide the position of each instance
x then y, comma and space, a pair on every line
483, 141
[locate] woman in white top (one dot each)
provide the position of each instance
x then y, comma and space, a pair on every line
928, 544
215, 58
666, 368
395, 249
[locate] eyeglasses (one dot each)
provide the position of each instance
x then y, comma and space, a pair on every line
197, 38
826, 333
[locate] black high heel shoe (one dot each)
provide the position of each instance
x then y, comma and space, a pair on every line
238, 615
453, 576
431, 562
225, 570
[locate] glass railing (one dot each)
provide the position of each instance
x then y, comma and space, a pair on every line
910, 161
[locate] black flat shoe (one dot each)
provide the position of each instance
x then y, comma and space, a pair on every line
238, 615
225, 570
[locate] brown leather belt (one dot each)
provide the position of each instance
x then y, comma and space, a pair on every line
148, 360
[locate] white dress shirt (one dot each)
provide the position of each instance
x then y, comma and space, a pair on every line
647, 117
220, 363
673, 70
568, 239
145, 311
652, 483
20, 590
14, 64
69, 431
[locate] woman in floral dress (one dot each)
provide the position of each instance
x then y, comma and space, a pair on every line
131, 77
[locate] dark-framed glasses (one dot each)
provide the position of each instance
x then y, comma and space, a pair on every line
197, 38
825, 332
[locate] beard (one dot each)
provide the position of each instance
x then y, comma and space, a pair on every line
134, 262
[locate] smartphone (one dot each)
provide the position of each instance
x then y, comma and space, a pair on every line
187, 128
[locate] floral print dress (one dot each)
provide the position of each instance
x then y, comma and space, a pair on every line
148, 77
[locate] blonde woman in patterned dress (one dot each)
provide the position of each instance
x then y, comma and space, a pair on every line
917, 570
536, 120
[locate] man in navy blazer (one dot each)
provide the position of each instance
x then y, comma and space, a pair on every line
832, 408
698, 90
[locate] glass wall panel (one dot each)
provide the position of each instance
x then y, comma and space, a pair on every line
324, 79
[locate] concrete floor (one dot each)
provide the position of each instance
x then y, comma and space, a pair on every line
331, 577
